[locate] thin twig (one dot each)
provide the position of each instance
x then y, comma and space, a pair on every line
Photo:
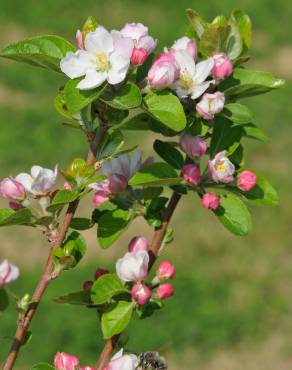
46, 276
155, 246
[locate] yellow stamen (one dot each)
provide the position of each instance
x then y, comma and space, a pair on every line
101, 61
220, 167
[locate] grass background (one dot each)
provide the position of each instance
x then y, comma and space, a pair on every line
232, 308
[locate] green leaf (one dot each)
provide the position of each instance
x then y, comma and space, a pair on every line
197, 22
81, 223
253, 132
244, 25
245, 82
105, 288
62, 198
76, 99
170, 154
81, 297
214, 39
111, 225
234, 215
225, 136
61, 107
4, 300
42, 366
10, 217
237, 113
157, 174
263, 194
127, 97
111, 144
116, 319
166, 108
234, 45
71, 252
137, 122
42, 51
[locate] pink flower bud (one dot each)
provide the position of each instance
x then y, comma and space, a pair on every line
221, 169
139, 56
87, 284
210, 105
185, 44
133, 266
210, 201
165, 270
79, 39
193, 146
67, 186
191, 174
246, 180
141, 293
86, 368
12, 189
8, 273
64, 361
138, 243
134, 30
99, 272
99, 198
163, 72
222, 66
165, 291
14, 205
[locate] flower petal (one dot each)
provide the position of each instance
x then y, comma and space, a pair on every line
185, 62
119, 68
35, 170
76, 64
203, 70
26, 180
99, 41
200, 89
92, 79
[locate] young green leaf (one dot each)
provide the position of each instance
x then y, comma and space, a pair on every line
106, 287
244, 25
81, 223
214, 39
234, 215
76, 99
81, 297
62, 198
157, 174
42, 366
245, 82
166, 108
116, 319
169, 153
197, 22
111, 225
253, 132
10, 217
127, 97
237, 113
42, 51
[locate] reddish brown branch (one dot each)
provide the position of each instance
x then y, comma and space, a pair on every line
46, 276
155, 246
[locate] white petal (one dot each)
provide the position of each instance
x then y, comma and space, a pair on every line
76, 64
119, 68
92, 79
185, 62
123, 46
26, 180
200, 89
99, 41
118, 354
203, 70
35, 170
135, 162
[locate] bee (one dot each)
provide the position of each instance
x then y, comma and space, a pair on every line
151, 361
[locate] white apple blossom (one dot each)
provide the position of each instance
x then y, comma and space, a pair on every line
40, 180
221, 169
106, 57
133, 266
8, 273
192, 77
123, 362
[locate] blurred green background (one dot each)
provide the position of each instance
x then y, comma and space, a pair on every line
232, 307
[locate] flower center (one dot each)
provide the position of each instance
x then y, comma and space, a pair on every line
186, 81
101, 61
220, 167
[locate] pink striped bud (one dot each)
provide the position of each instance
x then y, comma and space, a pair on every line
222, 66
99, 272
138, 243
246, 180
165, 291
210, 104
12, 189
100, 197
163, 72
191, 174
210, 201
139, 56
79, 39
14, 205
141, 293
67, 186
185, 44
8, 273
165, 270
87, 284
193, 146
64, 361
